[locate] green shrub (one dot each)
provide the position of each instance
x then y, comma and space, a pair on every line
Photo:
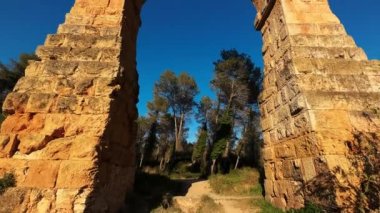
237, 182
181, 170
309, 208
7, 181
267, 207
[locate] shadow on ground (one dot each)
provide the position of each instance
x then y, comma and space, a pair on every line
150, 190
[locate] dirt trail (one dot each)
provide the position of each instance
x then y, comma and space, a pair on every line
230, 204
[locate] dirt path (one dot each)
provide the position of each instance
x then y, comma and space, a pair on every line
230, 204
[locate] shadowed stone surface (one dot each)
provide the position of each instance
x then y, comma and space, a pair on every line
69, 136
319, 90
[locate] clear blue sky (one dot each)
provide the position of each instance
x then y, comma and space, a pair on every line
181, 35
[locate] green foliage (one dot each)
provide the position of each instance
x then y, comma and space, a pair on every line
309, 208
222, 135
181, 170
238, 182
218, 148
151, 140
146, 138
249, 146
7, 181
177, 93
204, 108
237, 80
200, 146
267, 207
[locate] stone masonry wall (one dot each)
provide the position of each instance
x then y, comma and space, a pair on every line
319, 90
69, 134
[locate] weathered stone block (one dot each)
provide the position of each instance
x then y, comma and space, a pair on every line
79, 54
105, 86
302, 123
33, 69
306, 145
84, 86
367, 121
39, 103
8, 145
333, 141
330, 119
35, 85
83, 41
15, 102
75, 125
268, 154
40, 174
32, 142
374, 81
297, 106
95, 20
269, 188
285, 151
67, 104
267, 123
76, 174
65, 199
95, 105
86, 29
269, 169
308, 169
84, 147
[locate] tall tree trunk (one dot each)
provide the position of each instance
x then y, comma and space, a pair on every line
229, 142
213, 166
162, 163
237, 161
205, 160
141, 160
178, 143
175, 130
217, 111
232, 95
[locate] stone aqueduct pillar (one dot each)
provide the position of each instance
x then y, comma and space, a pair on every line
319, 90
69, 136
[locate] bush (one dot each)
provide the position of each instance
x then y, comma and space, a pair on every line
238, 182
309, 208
181, 170
7, 181
267, 207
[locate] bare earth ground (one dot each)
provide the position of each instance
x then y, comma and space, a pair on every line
228, 204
